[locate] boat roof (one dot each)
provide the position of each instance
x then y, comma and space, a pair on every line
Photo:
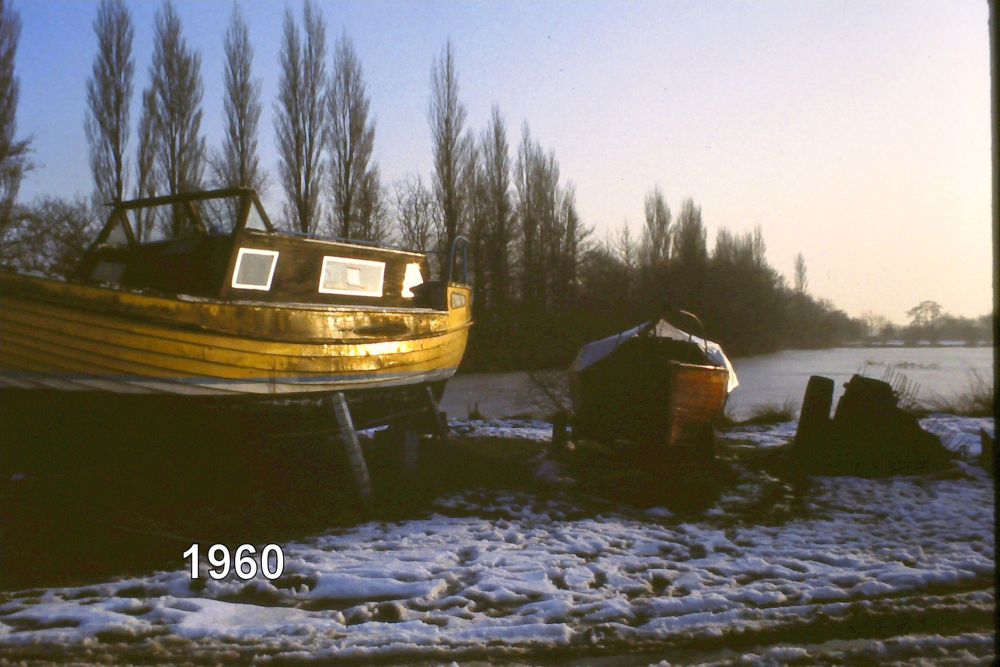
593, 352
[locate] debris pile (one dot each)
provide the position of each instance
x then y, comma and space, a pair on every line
869, 435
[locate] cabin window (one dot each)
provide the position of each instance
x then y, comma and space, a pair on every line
254, 269
107, 272
411, 279
355, 277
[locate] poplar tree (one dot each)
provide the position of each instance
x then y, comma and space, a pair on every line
496, 174
801, 281
354, 182
109, 96
300, 117
175, 82
447, 120
414, 208
13, 152
655, 248
239, 163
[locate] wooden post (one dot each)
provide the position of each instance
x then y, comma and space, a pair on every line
352, 448
814, 419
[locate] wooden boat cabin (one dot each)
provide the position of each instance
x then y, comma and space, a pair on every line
199, 294
221, 244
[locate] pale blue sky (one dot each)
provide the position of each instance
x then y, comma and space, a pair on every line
856, 132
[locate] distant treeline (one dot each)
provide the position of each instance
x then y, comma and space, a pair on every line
543, 283
929, 324
610, 285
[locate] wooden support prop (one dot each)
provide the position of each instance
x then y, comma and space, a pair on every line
411, 450
349, 441
559, 424
439, 420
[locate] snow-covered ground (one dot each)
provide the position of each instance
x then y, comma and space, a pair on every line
889, 569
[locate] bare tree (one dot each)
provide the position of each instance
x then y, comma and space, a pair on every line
300, 116
51, 234
413, 206
13, 152
475, 220
528, 155
175, 80
624, 246
925, 313
239, 163
726, 248
353, 175
447, 120
875, 324
690, 237
496, 173
574, 235
372, 214
109, 96
655, 248
758, 247
145, 165
801, 282
551, 233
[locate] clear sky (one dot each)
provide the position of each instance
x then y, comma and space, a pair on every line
856, 132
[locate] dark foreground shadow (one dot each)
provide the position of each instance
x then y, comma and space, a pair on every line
83, 496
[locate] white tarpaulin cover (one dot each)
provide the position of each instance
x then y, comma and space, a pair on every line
591, 353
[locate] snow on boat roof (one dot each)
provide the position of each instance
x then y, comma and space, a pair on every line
591, 353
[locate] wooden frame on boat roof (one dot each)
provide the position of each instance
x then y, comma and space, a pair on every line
248, 197
159, 200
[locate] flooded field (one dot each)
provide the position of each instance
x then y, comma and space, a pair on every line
766, 380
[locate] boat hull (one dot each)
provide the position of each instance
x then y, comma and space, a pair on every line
71, 337
649, 390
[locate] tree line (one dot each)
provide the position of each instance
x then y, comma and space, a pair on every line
543, 283
929, 323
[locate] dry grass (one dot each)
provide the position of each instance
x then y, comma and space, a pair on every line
771, 413
977, 400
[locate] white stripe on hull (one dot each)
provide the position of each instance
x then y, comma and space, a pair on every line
214, 387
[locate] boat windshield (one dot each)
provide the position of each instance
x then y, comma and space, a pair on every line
180, 219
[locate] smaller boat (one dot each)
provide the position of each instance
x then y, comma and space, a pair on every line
654, 383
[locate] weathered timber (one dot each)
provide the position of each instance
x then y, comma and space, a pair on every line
869, 435
348, 439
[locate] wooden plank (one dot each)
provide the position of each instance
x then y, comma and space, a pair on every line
439, 420
351, 446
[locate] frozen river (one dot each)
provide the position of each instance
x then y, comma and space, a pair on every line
766, 380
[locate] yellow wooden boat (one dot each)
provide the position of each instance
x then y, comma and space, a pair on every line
199, 295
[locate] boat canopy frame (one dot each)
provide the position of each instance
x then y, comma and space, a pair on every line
248, 198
